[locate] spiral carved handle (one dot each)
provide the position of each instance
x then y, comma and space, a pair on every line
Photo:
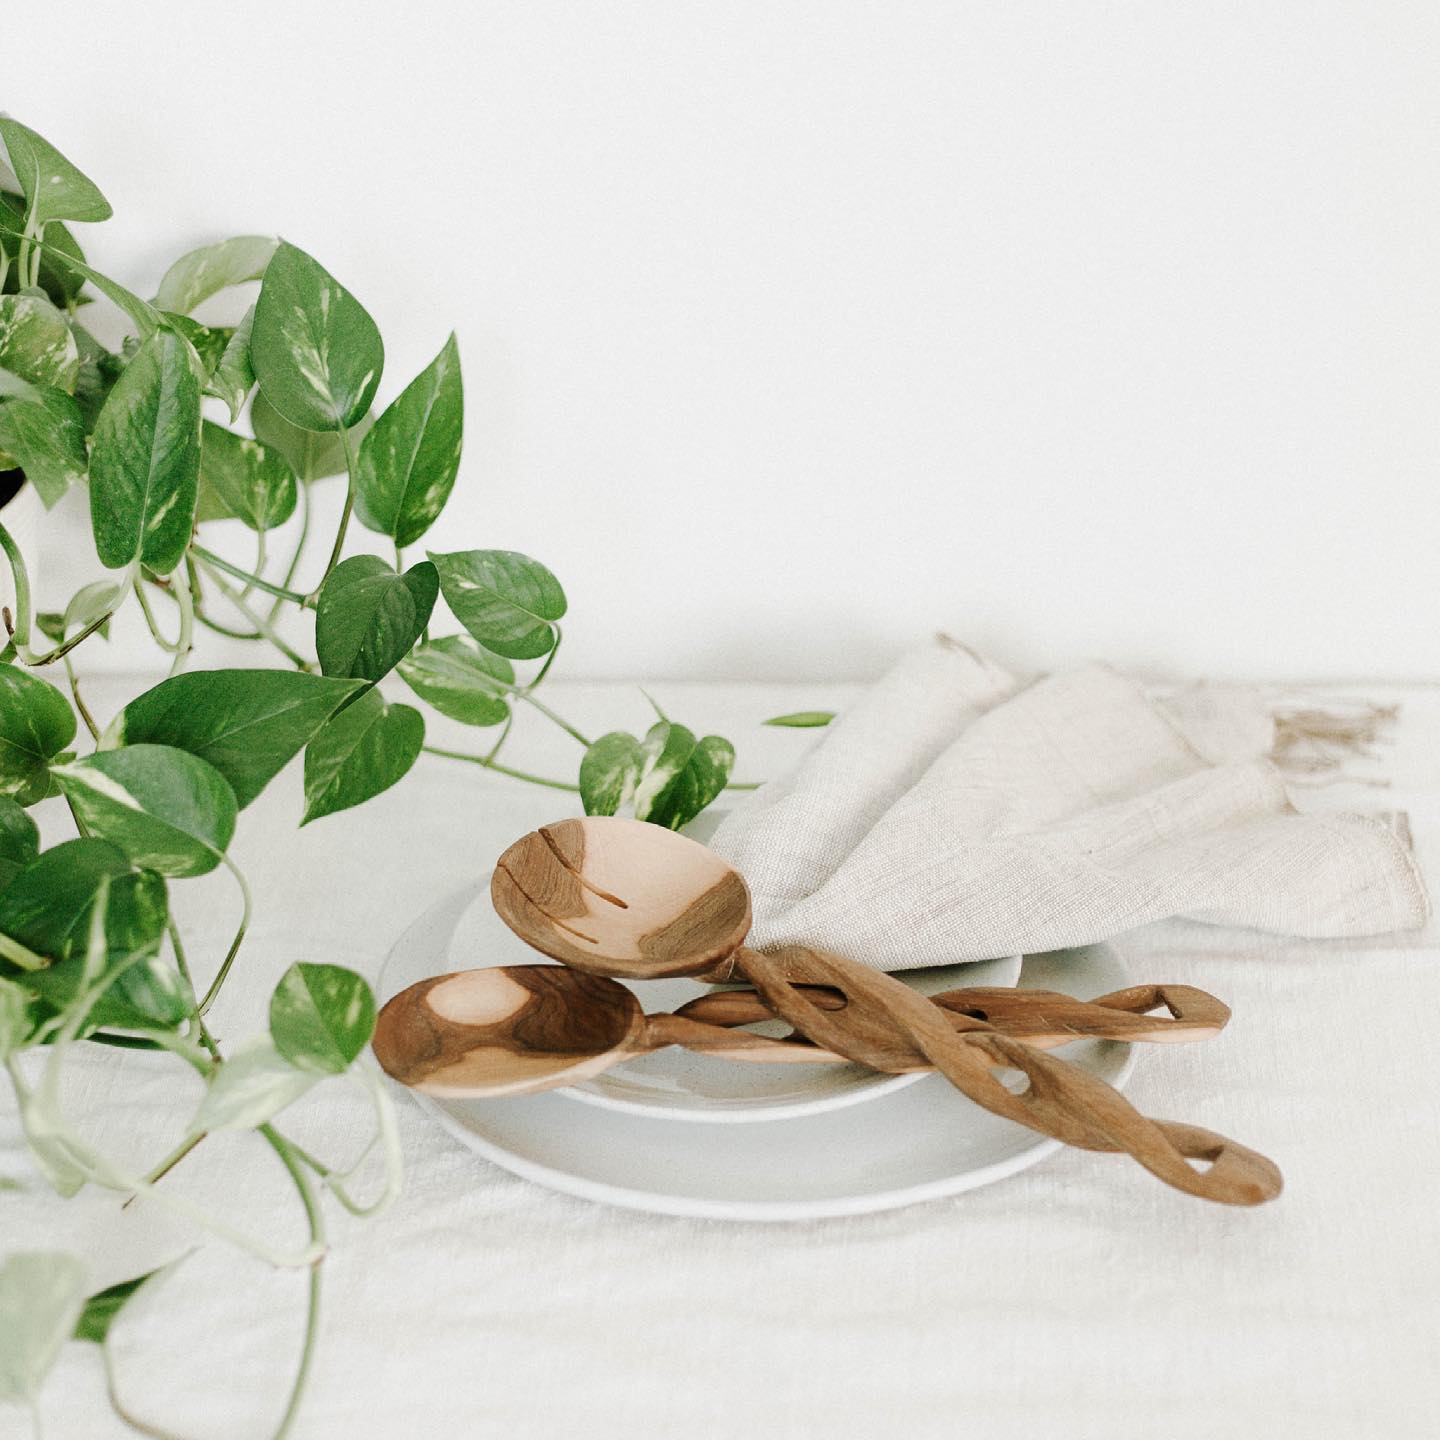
886, 1025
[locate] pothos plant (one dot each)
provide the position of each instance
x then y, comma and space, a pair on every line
90, 953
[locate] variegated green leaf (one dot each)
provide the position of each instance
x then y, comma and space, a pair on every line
145, 465
42, 1293
313, 454
703, 779
316, 352
610, 772
254, 1085
36, 724
246, 723
365, 749
321, 1017
19, 839
667, 749
249, 480
104, 1306
460, 679
409, 460
36, 343
199, 274
44, 432
165, 808
507, 601
234, 377
368, 617
54, 188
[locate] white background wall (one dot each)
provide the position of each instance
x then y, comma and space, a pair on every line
793, 331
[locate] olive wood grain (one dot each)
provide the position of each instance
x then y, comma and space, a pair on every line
518, 1029
884, 1024
618, 897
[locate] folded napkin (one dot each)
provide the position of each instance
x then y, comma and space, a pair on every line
957, 813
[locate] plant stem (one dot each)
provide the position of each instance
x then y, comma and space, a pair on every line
521, 693
214, 562
293, 567
21, 955
81, 708
174, 1158
263, 626
142, 1427
501, 769
339, 545
60, 651
549, 660
20, 577
312, 1307
183, 966
151, 624
235, 944
259, 563
185, 641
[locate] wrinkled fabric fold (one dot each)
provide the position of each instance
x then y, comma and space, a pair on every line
957, 814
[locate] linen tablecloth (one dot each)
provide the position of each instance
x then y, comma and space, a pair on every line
1079, 1299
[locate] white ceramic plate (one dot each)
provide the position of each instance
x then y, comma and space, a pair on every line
917, 1143
463, 932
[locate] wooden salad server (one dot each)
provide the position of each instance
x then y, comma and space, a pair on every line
517, 1029
617, 897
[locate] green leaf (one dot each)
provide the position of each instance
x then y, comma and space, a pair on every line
507, 601
704, 778
234, 377
252, 482
253, 1086
36, 342
57, 280
321, 1017
365, 749
99, 370
45, 433
41, 1295
610, 772
88, 604
667, 750
199, 274
314, 454
146, 317
316, 352
460, 679
19, 839
145, 466
246, 723
36, 724
165, 808
802, 719
207, 341
102, 1308
368, 617
17, 1020
409, 460
47, 905
144, 994
54, 188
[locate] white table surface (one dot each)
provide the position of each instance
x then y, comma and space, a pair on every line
1079, 1299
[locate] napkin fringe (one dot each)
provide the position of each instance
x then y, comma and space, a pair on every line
1318, 742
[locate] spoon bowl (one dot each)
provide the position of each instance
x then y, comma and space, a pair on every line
621, 898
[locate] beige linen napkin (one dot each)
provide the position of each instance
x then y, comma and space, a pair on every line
955, 813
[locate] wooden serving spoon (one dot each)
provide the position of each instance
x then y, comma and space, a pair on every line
617, 897
517, 1029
